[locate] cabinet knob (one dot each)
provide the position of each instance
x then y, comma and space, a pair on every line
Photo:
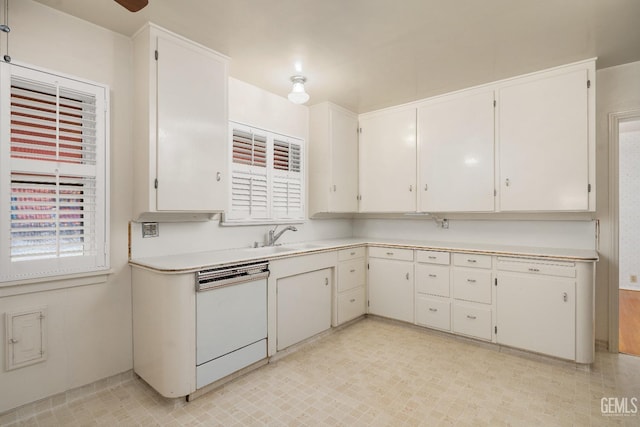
432, 257
411, 188
471, 280
433, 309
353, 270
352, 300
218, 176
326, 281
433, 275
407, 276
535, 270
471, 317
353, 253
390, 253
565, 297
471, 260
426, 187
334, 187
507, 182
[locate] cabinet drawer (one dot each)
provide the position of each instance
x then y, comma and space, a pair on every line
433, 257
472, 285
350, 274
433, 312
391, 253
351, 304
347, 254
432, 279
562, 269
472, 320
472, 260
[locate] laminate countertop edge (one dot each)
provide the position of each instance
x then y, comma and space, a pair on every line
192, 262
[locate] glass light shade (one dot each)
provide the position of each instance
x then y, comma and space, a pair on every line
298, 95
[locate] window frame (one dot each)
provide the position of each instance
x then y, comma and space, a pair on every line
58, 267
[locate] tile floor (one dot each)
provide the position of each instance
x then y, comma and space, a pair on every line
380, 373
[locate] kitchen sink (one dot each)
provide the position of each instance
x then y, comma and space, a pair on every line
301, 246
269, 250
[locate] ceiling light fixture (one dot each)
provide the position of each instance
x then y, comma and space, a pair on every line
298, 95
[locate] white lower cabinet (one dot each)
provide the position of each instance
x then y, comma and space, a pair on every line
473, 303
433, 312
472, 285
472, 319
391, 290
304, 306
351, 286
537, 313
351, 304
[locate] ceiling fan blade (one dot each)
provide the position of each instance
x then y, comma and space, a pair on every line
133, 5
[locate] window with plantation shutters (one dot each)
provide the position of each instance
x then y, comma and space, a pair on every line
52, 176
287, 179
249, 189
266, 176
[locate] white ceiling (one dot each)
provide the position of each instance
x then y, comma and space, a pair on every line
369, 54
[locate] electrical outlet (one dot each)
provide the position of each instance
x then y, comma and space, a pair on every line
633, 278
149, 229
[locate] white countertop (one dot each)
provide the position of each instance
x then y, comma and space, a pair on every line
190, 262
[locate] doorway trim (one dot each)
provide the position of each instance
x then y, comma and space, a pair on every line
614, 212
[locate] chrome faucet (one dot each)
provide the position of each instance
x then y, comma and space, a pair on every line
273, 236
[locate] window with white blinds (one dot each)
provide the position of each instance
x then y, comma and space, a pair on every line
266, 176
53, 180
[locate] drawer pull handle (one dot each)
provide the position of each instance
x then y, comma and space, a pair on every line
390, 253
326, 281
352, 300
407, 276
471, 260
471, 280
432, 257
535, 270
353, 253
565, 297
433, 309
433, 275
471, 317
353, 270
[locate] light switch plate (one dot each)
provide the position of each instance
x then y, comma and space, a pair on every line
149, 229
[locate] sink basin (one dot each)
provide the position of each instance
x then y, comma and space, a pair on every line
269, 250
301, 246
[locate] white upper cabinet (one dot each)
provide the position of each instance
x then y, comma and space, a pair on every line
388, 161
456, 153
180, 126
545, 144
333, 159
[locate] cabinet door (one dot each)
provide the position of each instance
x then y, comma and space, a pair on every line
456, 156
537, 313
543, 144
391, 289
192, 128
304, 306
344, 161
388, 162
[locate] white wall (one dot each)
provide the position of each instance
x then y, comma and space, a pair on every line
90, 326
629, 204
618, 90
549, 234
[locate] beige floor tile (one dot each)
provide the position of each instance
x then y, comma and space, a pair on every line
373, 373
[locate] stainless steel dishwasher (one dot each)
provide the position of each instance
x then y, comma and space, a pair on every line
231, 319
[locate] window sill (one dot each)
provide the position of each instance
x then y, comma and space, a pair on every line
43, 284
